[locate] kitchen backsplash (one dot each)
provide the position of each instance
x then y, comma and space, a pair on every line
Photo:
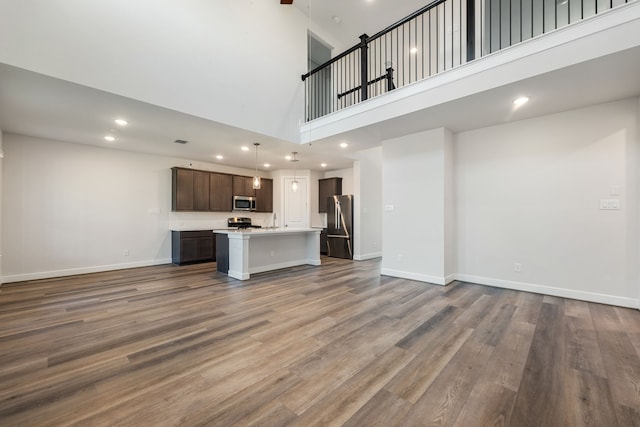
211, 220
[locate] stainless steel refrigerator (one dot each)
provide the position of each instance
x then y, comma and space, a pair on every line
340, 226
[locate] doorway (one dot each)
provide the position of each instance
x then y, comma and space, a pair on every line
296, 206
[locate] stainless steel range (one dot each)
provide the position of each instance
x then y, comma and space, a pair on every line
240, 223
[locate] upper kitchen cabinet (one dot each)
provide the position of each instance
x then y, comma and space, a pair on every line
328, 187
264, 196
190, 190
243, 186
200, 191
220, 192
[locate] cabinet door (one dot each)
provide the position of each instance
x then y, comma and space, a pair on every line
204, 248
188, 250
182, 194
326, 188
264, 196
200, 191
220, 192
243, 186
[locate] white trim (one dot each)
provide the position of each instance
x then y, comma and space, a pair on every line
364, 257
414, 276
83, 270
549, 290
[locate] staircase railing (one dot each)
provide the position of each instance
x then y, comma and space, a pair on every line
441, 35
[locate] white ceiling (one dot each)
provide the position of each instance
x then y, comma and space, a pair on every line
41, 106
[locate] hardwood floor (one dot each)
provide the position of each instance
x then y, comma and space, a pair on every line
331, 345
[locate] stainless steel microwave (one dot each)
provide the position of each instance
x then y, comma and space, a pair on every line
244, 203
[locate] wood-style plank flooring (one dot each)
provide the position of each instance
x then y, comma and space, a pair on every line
331, 345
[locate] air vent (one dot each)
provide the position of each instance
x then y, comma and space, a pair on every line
180, 141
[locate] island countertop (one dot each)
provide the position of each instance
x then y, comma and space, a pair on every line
265, 231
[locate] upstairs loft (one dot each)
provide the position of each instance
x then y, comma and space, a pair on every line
448, 63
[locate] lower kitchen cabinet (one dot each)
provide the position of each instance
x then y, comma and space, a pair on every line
192, 246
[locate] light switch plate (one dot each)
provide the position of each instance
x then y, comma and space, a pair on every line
609, 204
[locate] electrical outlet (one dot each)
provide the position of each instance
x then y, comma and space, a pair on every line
517, 267
126, 252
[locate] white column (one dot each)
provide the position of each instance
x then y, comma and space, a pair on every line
417, 221
238, 256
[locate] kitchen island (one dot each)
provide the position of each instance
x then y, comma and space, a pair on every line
240, 253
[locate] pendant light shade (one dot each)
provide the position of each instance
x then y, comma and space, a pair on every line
294, 183
256, 178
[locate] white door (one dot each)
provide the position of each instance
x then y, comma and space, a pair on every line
296, 210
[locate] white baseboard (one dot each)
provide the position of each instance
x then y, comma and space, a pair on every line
414, 276
518, 286
364, 257
82, 270
549, 290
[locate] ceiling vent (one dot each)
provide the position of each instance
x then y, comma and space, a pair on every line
180, 141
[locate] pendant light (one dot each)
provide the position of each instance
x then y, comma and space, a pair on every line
256, 178
294, 183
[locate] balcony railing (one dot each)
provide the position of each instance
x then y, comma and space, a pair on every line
438, 37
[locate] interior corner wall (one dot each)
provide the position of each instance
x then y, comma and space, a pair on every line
413, 194
367, 183
233, 62
528, 196
71, 208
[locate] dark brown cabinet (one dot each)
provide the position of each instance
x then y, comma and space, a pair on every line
243, 186
190, 190
200, 191
182, 195
264, 196
192, 246
328, 187
195, 190
220, 192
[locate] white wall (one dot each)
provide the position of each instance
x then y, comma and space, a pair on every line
220, 60
367, 179
414, 225
1, 181
69, 208
528, 192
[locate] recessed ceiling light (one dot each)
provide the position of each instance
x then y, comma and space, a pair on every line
219, 157
344, 145
288, 157
413, 50
110, 138
267, 165
324, 165
121, 122
520, 101
244, 148
336, 19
